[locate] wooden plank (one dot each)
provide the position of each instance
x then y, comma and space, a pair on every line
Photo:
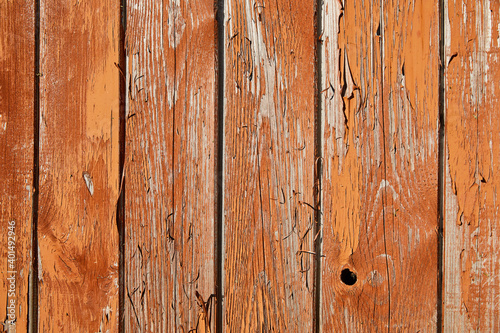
472, 248
170, 165
269, 153
380, 166
17, 59
353, 157
79, 166
411, 131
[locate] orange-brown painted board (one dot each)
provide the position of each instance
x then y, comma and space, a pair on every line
17, 59
410, 60
170, 166
471, 230
269, 158
79, 166
380, 93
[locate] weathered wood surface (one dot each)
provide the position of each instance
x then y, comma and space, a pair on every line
17, 58
411, 131
380, 156
170, 166
374, 128
269, 152
472, 248
79, 166
353, 157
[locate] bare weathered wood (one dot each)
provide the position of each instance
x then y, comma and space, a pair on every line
269, 166
17, 46
79, 166
472, 248
170, 166
380, 165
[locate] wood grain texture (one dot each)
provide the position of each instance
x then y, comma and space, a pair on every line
79, 166
380, 100
170, 166
353, 179
472, 248
269, 166
17, 46
411, 131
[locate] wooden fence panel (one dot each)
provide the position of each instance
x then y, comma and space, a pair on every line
472, 248
79, 166
269, 152
17, 59
343, 130
380, 158
170, 166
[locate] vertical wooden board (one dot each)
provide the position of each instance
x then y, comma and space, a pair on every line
269, 166
17, 46
411, 131
353, 179
170, 165
79, 166
472, 269
381, 89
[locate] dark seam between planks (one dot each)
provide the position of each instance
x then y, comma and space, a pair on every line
441, 169
219, 169
32, 322
120, 207
318, 147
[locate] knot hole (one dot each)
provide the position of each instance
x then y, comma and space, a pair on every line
348, 277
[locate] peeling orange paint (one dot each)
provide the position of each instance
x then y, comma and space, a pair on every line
471, 281
79, 167
381, 154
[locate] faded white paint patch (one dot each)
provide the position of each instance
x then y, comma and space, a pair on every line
40, 269
487, 25
383, 184
334, 118
498, 38
176, 24
3, 124
375, 279
107, 310
89, 182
